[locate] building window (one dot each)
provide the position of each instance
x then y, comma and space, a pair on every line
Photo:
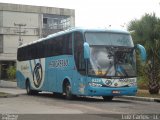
45, 20
53, 23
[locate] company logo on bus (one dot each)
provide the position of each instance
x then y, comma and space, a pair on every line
108, 82
37, 75
59, 63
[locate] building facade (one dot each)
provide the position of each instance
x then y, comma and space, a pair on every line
20, 24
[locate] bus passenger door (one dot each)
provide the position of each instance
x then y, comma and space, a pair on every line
79, 83
80, 72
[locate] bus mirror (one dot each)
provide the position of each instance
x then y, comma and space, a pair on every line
142, 50
86, 50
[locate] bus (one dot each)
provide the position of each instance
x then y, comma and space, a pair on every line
80, 62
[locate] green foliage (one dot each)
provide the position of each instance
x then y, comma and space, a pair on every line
11, 72
141, 82
146, 31
153, 73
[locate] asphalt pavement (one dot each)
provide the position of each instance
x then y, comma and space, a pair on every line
11, 88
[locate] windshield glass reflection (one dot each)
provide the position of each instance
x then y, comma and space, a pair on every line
112, 61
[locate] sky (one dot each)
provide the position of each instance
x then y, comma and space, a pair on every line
101, 13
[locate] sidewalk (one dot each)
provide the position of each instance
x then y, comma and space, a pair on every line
7, 84
10, 88
146, 99
143, 95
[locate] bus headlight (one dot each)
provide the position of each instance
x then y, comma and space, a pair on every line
133, 84
94, 84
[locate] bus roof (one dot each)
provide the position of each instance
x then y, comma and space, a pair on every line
87, 30
83, 30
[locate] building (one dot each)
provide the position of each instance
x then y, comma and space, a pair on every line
20, 24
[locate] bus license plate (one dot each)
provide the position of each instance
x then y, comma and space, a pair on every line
115, 92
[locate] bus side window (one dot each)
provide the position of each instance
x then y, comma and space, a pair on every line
67, 42
78, 52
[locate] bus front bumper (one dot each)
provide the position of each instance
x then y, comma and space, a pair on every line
111, 91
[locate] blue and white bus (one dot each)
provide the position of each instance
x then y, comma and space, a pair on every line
80, 62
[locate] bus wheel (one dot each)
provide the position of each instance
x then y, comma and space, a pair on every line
68, 92
107, 98
28, 89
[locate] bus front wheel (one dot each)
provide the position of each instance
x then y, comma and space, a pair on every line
107, 98
68, 92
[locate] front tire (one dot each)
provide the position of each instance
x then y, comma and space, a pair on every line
68, 92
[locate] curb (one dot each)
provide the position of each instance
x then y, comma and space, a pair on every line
9, 96
146, 99
7, 84
157, 100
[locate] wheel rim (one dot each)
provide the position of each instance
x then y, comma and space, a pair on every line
68, 91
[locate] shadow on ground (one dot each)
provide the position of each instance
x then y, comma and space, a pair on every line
79, 98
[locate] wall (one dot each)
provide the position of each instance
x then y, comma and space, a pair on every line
30, 19
32, 16
11, 42
10, 30
1, 18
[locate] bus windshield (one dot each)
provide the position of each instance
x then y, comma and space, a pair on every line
108, 38
112, 55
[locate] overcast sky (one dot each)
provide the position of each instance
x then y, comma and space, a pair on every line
100, 13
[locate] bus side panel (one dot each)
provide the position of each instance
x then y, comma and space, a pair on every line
32, 70
59, 68
22, 73
20, 79
65, 72
38, 74
61, 76
51, 73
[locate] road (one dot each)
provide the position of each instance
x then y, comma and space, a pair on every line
48, 105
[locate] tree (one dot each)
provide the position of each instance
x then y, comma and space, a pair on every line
11, 72
146, 31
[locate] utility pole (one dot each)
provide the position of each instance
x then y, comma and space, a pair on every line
19, 32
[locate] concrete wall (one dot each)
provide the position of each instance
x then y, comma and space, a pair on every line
10, 31
1, 18
36, 9
30, 19
11, 42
